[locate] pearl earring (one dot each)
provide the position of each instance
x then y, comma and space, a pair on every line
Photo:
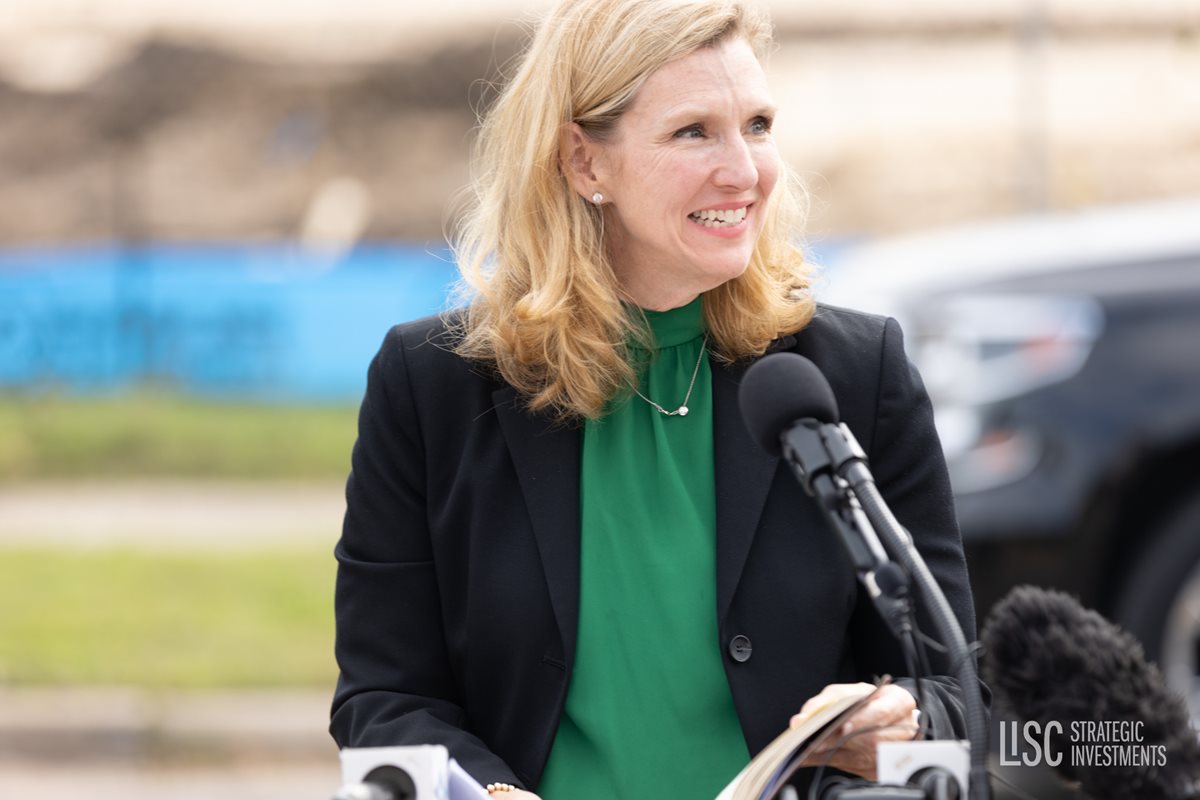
597, 198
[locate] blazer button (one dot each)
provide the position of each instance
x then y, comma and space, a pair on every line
740, 648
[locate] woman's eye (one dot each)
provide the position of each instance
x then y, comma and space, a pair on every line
690, 132
760, 126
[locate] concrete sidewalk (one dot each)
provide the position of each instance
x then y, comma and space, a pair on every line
131, 744
145, 727
170, 513
292, 781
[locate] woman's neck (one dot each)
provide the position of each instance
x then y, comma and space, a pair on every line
662, 298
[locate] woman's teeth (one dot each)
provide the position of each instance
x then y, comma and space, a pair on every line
711, 218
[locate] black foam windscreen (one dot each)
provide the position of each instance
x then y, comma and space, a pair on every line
779, 390
1051, 660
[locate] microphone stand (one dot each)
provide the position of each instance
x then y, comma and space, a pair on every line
811, 460
831, 466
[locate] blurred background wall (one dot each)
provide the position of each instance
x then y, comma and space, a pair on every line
211, 212
155, 120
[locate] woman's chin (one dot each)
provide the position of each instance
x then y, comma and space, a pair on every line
720, 274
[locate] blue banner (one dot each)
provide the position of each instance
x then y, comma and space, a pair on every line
271, 323
274, 323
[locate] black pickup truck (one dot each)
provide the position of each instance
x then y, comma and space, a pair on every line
1062, 353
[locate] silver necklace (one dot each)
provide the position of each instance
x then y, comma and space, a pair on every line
682, 411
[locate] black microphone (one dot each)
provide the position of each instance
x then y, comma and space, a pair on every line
778, 392
385, 782
363, 791
1088, 685
790, 410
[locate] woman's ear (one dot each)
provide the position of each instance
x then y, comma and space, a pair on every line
579, 157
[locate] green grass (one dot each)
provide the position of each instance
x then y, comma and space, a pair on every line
166, 620
146, 434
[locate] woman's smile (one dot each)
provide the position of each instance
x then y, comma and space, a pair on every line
722, 220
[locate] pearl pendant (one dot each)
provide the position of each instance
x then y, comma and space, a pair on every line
682, 411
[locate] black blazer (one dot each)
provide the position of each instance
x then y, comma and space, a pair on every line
458, 580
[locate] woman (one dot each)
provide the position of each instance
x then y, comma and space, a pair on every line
563, 556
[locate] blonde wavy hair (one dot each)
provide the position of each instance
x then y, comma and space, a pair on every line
543, 304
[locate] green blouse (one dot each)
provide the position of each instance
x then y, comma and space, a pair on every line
649, 713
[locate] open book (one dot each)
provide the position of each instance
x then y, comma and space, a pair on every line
768, 772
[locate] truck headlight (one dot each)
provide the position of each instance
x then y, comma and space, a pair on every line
977, 351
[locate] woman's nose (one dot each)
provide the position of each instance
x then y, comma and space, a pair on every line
736, 168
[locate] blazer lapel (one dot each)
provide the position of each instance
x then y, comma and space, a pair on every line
744, 473
546, 458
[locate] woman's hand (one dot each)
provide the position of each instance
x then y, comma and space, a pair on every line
889, 716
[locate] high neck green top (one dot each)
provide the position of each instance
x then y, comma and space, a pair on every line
649, 712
